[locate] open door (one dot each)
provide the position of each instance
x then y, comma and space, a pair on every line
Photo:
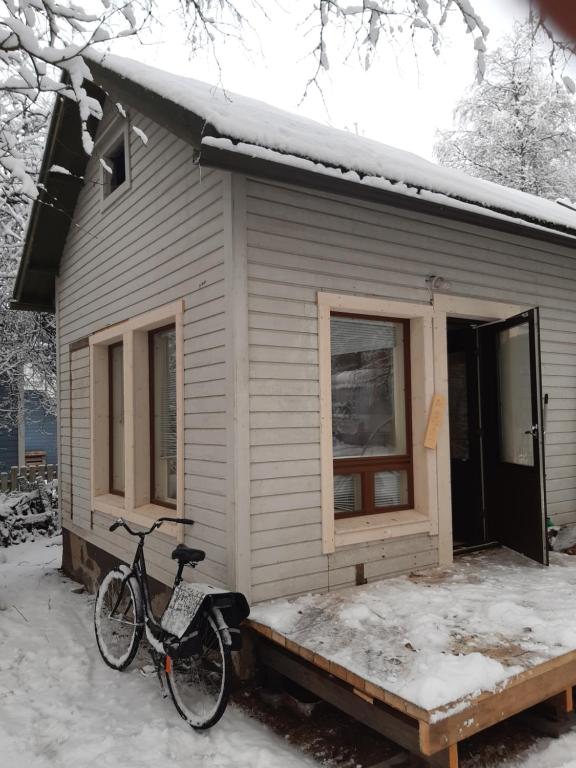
513, 435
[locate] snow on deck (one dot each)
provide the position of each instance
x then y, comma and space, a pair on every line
254, 128
442, 635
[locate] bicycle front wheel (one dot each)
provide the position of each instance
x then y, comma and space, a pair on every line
200, 684
118, 619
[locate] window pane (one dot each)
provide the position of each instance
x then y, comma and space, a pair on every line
163, 360
116, 373
368, 388
390, 489
347, 493
515, 382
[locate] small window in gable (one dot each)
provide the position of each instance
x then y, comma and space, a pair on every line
114, 153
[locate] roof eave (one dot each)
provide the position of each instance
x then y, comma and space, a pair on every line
225, 159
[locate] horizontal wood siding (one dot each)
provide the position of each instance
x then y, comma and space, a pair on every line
161, 240
300, 242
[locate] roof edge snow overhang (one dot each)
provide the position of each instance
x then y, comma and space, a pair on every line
51, 215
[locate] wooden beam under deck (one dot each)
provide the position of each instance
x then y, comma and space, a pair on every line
394, 725
438, 732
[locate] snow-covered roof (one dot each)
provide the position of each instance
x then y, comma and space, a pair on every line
251, 127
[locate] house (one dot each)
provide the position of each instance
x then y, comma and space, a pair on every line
342, 361
35, 435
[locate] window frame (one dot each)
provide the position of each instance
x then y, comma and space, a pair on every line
106, 143
422, 518
151, 395
136, 504
111, 347
368, 466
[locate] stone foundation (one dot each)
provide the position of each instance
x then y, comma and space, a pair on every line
88, 564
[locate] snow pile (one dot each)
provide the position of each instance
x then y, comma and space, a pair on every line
256, 129
62, 707
437, 636
26, 513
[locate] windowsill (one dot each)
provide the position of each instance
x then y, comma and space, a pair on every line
144, 516
378, 527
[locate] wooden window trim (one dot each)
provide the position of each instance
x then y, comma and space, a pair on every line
368, 466
151, 335
111, 347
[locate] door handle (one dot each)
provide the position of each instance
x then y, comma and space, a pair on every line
532, 431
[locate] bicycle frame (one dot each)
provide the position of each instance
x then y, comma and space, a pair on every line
138, 571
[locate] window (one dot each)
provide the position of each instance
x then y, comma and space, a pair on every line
116, 416
113, 150
371, 445
162, 366
136, 409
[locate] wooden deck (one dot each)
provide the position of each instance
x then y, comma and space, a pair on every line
433, 734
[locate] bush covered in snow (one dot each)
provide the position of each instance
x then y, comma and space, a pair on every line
28, 512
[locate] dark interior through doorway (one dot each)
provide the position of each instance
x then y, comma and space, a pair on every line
468, 519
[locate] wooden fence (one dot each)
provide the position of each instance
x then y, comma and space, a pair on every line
9, 480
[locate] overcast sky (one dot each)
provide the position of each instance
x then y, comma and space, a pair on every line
402, 100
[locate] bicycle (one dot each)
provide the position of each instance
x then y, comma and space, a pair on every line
192, 642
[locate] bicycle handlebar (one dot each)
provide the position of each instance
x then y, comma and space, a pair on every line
156, 524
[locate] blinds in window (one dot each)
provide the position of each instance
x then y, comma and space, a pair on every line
164, 383
116, 405
355, 334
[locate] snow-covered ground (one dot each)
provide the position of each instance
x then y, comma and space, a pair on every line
61, 707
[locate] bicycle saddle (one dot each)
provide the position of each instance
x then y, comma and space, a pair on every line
185, 554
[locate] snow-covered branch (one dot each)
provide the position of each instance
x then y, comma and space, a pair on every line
517, 127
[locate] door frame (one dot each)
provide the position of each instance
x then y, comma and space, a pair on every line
446, 306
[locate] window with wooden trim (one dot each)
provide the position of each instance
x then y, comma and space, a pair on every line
162, 368
116, 417
136, 411
371, 426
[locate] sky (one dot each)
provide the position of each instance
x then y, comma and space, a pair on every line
402, 100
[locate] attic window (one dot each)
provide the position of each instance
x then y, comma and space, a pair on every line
113, 149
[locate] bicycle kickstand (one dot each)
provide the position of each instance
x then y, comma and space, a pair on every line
157, 661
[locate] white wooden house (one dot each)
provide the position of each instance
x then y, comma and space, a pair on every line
260, 321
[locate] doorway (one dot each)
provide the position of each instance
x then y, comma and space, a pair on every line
496, 434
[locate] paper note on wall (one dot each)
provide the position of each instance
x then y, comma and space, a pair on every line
435, 418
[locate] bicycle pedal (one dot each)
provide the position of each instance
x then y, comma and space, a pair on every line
147, 670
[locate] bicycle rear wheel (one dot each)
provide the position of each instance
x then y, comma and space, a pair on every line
118, 619
200, 684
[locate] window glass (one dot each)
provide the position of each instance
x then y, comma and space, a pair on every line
368, 397
163, 414
347, 493
116, 394
515, 384
390, 489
